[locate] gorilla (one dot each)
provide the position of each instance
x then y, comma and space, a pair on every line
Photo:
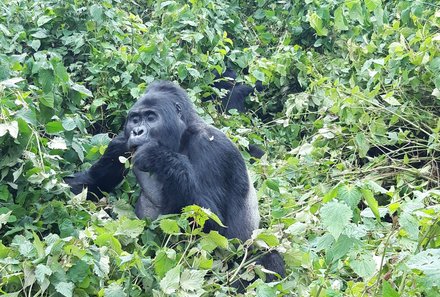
179, 160
234, 98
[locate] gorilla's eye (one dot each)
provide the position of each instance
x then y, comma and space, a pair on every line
151, 117
135, 119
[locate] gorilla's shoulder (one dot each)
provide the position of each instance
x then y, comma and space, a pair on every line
201, 131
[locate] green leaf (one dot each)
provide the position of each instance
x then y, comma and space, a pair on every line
4, 218
340, 248
317, 24
69, 124
350, 194
42, 272
61, 72
65, 288
110, 241
269, 238
372, 4
259, 75
43, 20
371, 202
340, 21
35, 44
170, 283
428, 262
79, 271
273, 185
130, 228
54, 127
362, 144
114, 290
25, 247
164, 261
335, 216
264, 290
81, 89
410, 224
47, 100
97, 13
213, 240
46, 79
169, 226
192, 280
364, 266
388, 290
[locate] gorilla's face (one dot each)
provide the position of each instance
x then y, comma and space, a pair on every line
155, 117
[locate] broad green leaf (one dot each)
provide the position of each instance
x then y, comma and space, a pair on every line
114, 290
97, 13
43, 20
340, 248
65, 288
264, 290
169, 226
170, 283
69, 124
42, 272
268, 238
47, 100
57, 143
82, 90
102, 266
388, 290
46, 79
109, 241
54, 127
317, 24
4, 218
373, 4
364, 266
11, 128
25, 247
79, 271
130, 228
192, 280
165, 259
362, 144
259, 75
335, 216
350, 194
35, 44
340, 21
213, 240
428, 262
61, 72
410, 225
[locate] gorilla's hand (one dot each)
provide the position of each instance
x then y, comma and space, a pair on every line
145, 157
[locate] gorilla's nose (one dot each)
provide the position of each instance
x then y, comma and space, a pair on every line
138, 131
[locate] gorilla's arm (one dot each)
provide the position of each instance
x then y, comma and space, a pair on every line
105, 174
175, 171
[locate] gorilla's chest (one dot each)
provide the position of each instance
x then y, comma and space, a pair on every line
149, 203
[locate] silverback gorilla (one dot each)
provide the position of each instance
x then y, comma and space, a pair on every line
179, 160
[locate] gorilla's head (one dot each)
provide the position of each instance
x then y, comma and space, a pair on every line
161, 115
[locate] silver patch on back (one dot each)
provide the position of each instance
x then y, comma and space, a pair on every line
149, 203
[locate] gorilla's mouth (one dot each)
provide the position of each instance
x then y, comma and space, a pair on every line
133, 146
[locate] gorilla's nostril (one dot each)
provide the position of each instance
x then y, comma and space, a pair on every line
138, 131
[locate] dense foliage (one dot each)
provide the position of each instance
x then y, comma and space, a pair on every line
349, 189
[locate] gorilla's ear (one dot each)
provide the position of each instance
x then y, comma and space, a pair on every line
178, 108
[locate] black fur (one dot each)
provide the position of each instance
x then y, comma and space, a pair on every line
234, 98
179, 160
